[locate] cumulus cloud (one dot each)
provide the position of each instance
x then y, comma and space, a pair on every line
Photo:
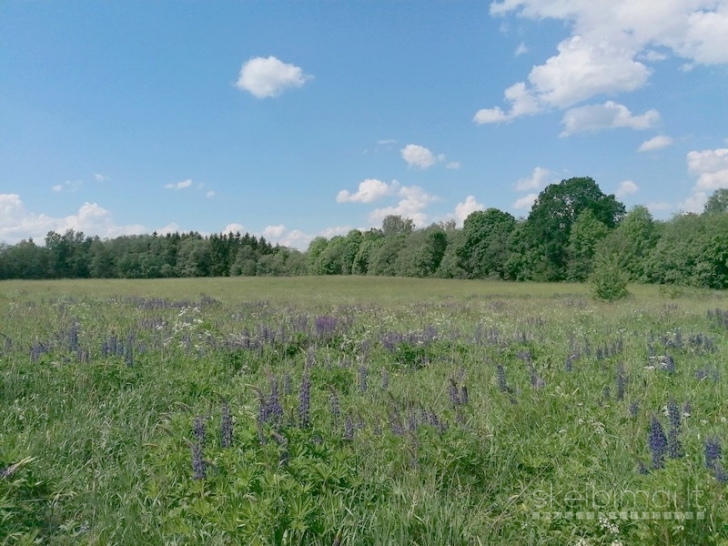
711, 168
101, 178
210, 193
520, 50
537, 180
420, 157
525, 202
655, 143
626, 187
274, 231
269, 77
179, 185
233, 229
370, 190
412, 204
466, 208
694, 203
607, 44
453, 165
172, 227
17, 222
610, 115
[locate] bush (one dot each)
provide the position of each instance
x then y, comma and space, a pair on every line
608, 281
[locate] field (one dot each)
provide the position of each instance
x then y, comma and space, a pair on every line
360, 411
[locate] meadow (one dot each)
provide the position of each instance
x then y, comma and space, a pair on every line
360, 411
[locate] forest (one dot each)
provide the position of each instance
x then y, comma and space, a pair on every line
572, 230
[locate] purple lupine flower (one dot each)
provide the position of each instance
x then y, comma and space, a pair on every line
713, 452
634, 409
673, 414
73, 337
658, 443
569, 364
325, 326
226, 426
452, 390
198, 430
335, 409
412, 421
348, 429
385, 379
363, 378
720, 474
304, 401
275, 410
667, 364
198, 464
621, 382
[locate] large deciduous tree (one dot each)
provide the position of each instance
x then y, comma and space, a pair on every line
548, 227
484, 249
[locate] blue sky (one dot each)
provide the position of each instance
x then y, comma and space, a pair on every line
297, 119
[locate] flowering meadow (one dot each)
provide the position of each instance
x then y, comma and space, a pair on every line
360, 411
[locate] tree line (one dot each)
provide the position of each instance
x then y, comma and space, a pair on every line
573, 228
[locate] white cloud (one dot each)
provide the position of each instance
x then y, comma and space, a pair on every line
386, 141
370, 190
16, 222
101, 178
414, 201
520, 50
655, 143
609, 115
453, 165
233, 229
420, 157
694, 203
608, 39
274, 231
210, 193
711, 169
68, 185
626, 187
466, 208
537, 180
179, 185
525, 202
334, 231
269, 77
169, 228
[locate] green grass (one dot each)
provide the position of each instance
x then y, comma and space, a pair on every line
105, 437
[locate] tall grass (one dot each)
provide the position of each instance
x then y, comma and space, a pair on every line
359, 411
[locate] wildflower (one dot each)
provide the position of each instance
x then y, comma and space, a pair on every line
658, 443
713, 452
198, 464
621, 382
348, 429
363, 378
226, 426
198, 430
634, 409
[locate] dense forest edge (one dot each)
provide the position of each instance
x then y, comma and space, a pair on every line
572, 231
